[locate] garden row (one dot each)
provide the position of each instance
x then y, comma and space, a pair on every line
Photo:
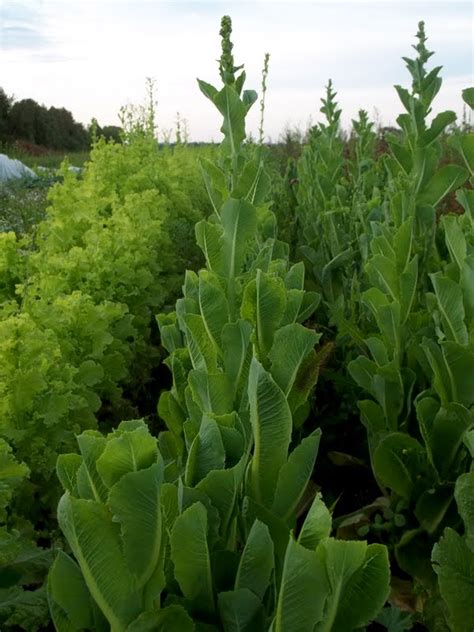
215, 515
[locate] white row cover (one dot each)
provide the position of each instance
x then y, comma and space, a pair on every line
11, 168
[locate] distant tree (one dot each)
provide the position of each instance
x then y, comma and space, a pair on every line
25, 119
112, 132
5, 107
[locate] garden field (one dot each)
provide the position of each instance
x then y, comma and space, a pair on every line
237, 381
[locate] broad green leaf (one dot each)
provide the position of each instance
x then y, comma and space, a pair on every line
432, 506
171, 412
294, 477
253, 183
464, 494
453, 562
294, 302
127, 452
206, 453
383, 274
453, 368
233, 112
263, 305
235, 343
95, 542
223, 488
215, 183
442, 430
213, 305
212, 392
240, 611
303, 591
207, 89
466, 146
202, 348
239, 221
209, 238
271, 421
257, 562
437, 127
190, 555
408, 287
91, 445
445, 180
468, 97
359, 580
291, 345
135, 504
294, 279
311, 301
455, 239
170, 619
399, 461
362, 371
68, 597
317, 524
304, 383
66, 469
450, 304
402, 244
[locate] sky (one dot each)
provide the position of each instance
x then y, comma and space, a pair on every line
93, 56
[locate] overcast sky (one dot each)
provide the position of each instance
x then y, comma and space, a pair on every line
93, 56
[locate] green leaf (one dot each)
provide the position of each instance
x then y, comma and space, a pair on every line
294, 477
468, 97
450, 304
91, 445
256, 563
303, 591
169, 619
233, 111
263, 304
464, 494
271, 421
127, 452
317, 524
190, 555
359, 580
442, 430
95, 543
455, 239
202, 348
135, 504
437, 127
432, 507
453, 562
445, 180
291, 346
398, 460
223, 487
68, 597
235, 344
466, 147
206, 452
213, 306
212, 392
207, 89
67, 467
240, 610
239, 222
208, 237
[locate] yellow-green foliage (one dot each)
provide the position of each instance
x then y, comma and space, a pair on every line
110, 253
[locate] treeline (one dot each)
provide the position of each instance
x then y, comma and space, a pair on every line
53, 128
